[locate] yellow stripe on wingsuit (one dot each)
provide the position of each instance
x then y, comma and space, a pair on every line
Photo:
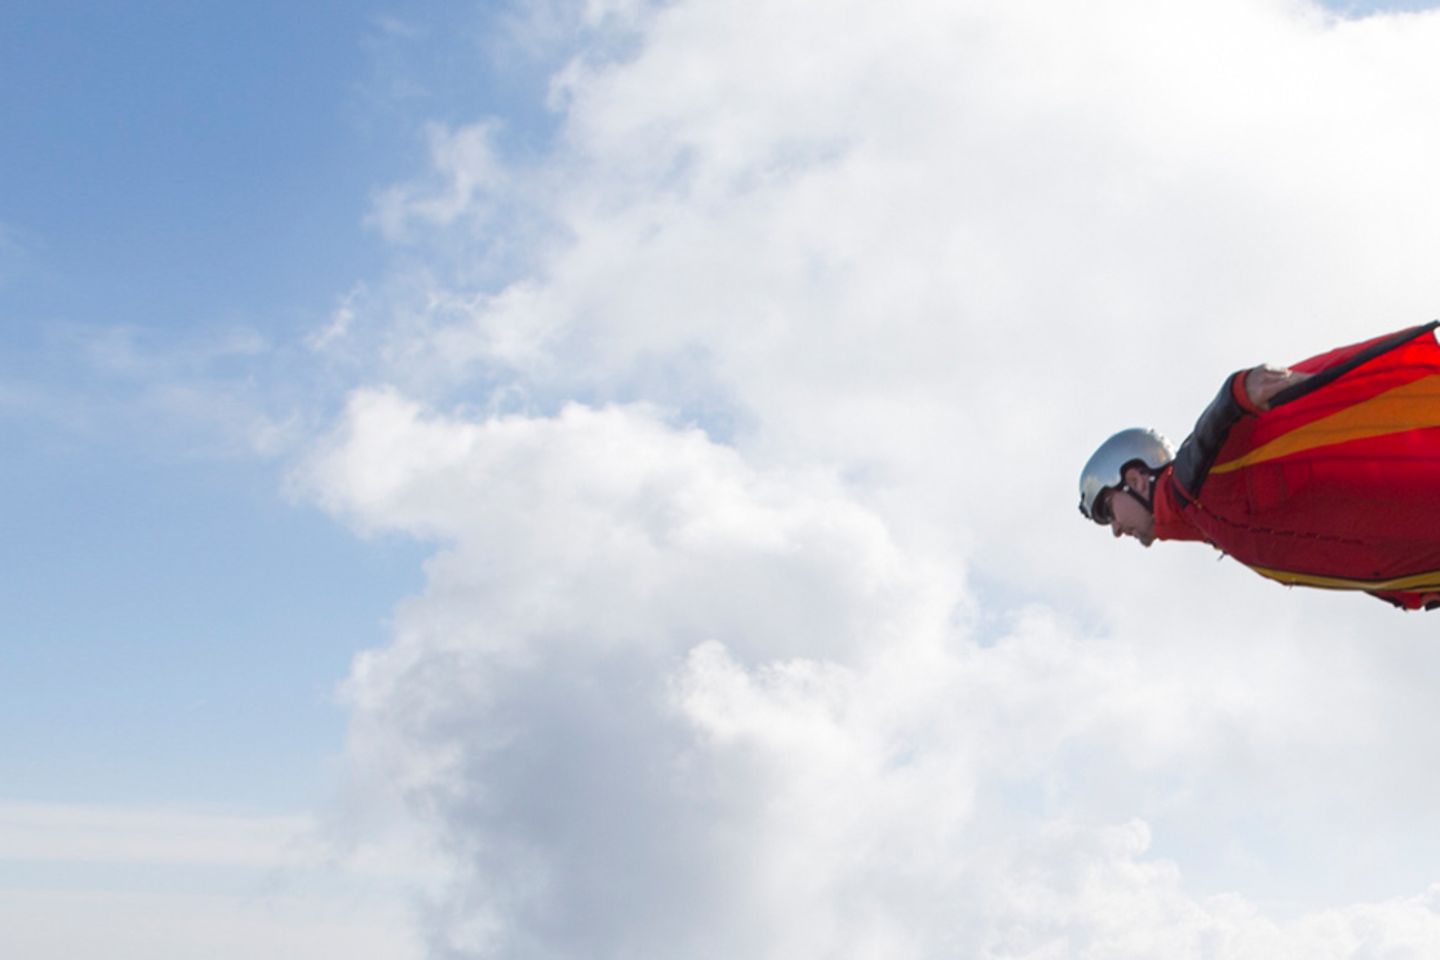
1417, 581
1409, 407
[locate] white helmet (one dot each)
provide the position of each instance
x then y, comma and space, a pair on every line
1106, 467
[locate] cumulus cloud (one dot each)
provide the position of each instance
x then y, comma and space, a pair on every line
760, 622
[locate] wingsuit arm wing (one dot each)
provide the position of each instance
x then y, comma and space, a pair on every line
1197, 454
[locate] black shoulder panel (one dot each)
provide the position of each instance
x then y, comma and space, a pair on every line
1197, 454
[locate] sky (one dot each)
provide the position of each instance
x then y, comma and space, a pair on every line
597, 479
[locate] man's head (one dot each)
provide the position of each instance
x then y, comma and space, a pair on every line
1116, 486
1127, 507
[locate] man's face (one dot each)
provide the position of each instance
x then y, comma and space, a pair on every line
1129, 518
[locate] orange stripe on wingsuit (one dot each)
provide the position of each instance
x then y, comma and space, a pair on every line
1418, 581
1413, 406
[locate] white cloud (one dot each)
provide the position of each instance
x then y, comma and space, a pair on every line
761, 622
75, 833
79, 880
61, 924
466, 169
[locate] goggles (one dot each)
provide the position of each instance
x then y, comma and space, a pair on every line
1100, 509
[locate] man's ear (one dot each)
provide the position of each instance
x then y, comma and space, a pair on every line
1137, 479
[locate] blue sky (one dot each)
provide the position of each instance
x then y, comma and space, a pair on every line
180, 175
189, 194
186, 199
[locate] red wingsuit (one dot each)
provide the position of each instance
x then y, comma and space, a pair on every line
1336, 486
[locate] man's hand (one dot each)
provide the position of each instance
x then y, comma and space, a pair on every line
1262, 383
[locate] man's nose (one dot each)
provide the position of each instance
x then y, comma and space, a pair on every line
1115, 527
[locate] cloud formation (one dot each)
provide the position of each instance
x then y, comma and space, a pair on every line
745, 424
126, 882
